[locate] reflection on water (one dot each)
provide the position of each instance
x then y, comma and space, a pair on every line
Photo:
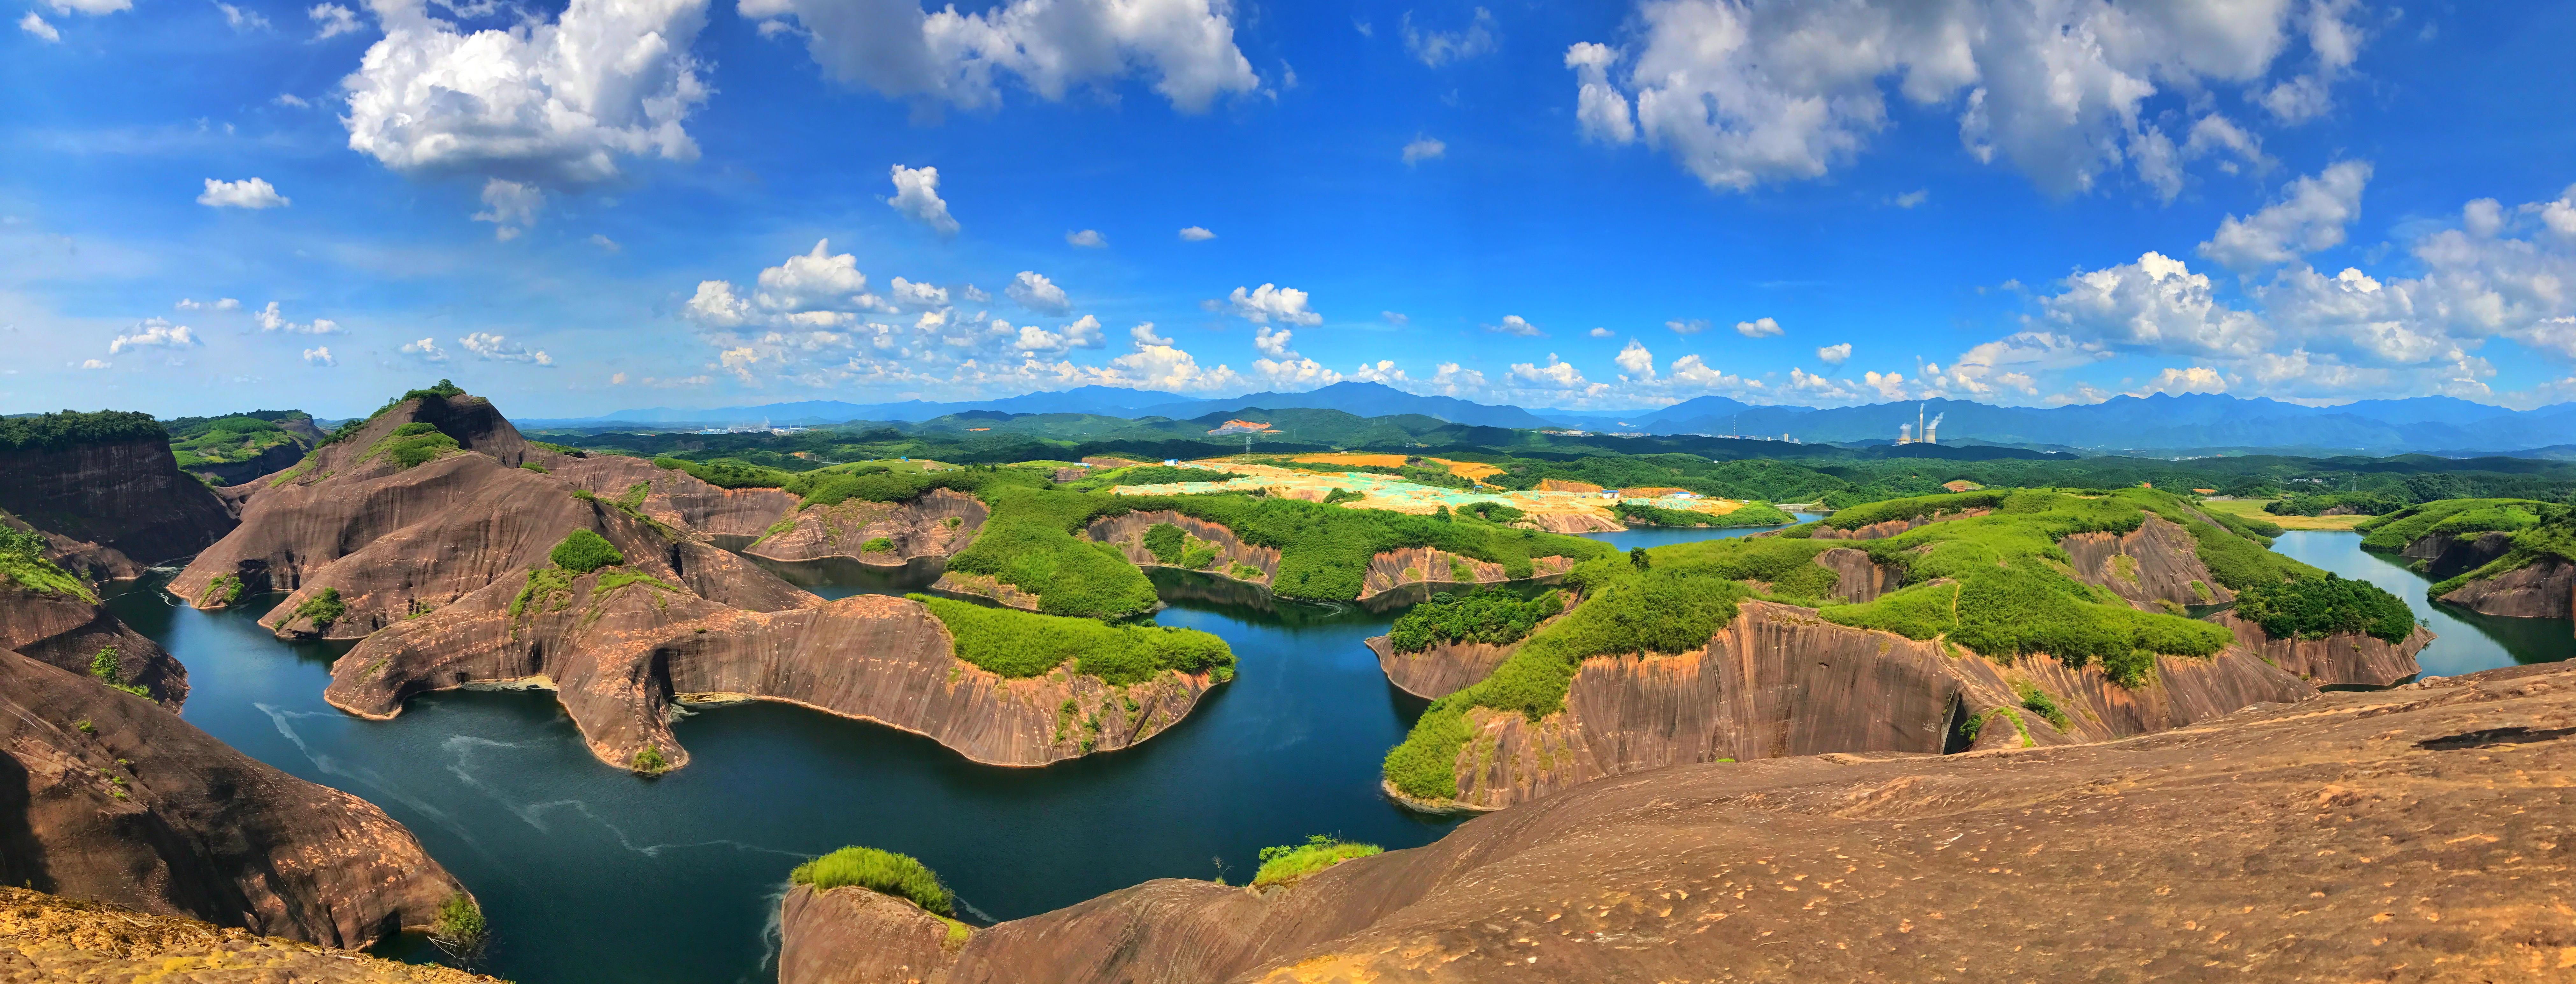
1659, 536
2466, 641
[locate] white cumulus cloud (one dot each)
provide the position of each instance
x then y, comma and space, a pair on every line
550, 101
1423, 149
1517, 326
1268, 302
1196, 234
2310, 216
495, 348
1834, 355
45, 32
916, 193
153, 333
1035, 292
1758, 328
425, 350
1087, 238
511, 207
319, 356
1437, 48
330, 20
251, 193
1052, 46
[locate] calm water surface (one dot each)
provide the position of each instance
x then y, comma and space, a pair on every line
591, 874
2466, 641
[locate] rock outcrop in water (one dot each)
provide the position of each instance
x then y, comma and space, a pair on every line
2544, 588
1780, 682
2441, 556
112, 508
51, 938
106, 796
2331, 840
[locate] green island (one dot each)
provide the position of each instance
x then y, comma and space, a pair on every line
1997, 585
1019, 644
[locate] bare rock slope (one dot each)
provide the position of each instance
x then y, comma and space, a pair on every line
106, 796
2411, 835
2544, 588
51, 938
126, 502
69, 631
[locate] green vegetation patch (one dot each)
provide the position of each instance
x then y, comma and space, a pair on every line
1324, 551
73, 429
411, 444
1021, 644
323, 608
1028, 542
1487, 615
349, 429
1749, 514
22, 559
1166, 475
2037, 702
105, 667
1285, 864
226, 439
583, 551
224, 589
882, 872
1165, 542
2348, 503
1665, 609
729, 473
877, 544
2317, 607
2396, 531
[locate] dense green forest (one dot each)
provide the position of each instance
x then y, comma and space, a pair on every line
71, 428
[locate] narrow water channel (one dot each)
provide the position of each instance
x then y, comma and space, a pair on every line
2464, 641
591, 874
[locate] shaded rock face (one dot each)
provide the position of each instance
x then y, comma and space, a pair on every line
143, 810
2348, 660
618, 658
1128, 533
2442, 556
2545, 588
1423, 568
1441, 670
850, 935
67, 631
270, 459
1862, 580
1881, 531
2157, 562
1780, 682
51, 938
920, 527
2174, 856
674, 497
129, 498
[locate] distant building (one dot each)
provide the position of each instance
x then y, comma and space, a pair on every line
1563, 433
1172, 462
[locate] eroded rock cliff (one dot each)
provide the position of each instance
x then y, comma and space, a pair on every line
69, 631
2156, 564
2441, 556
1411, 573
126, 502
1881, 531
1234, 558
2345, 660
938, 523
106, 796
2276, 843
1779, 682
2544, 588
52, 938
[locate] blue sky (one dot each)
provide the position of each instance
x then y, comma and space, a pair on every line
618, 203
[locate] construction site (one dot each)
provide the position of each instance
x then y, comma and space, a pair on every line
1557, 505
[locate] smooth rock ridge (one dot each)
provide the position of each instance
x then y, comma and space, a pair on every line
51, 938
2544, 588
107, 796
916, 528
2276, 843
115, 508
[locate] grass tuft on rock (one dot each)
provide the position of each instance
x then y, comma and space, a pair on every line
412, 444
323, 608
22, 559
583, 551
1285, 864
882, 872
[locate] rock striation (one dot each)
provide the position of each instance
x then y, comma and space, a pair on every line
1443, 669
2544, 588
1859, 580
106, 796
2346, 660
936, 524
1410, 573
1780, 682
69, 631
1127, 532
856, 936
2279, 843
124, 504
51, 938
2156, 564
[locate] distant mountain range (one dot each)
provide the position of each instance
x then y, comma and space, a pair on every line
2154, 424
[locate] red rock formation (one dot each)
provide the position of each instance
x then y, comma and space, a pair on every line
2442, 556
1881, 531
1441, 670
728, 517
617, 659
1779, 681
51, 938
2157, 562
128, 499
2544, 588
918, 528
959, 584
1570, 522
68, 631
2176, 856
1420, 567
855, 936
1862, 580
2351, 659
1128, 532
106, 796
